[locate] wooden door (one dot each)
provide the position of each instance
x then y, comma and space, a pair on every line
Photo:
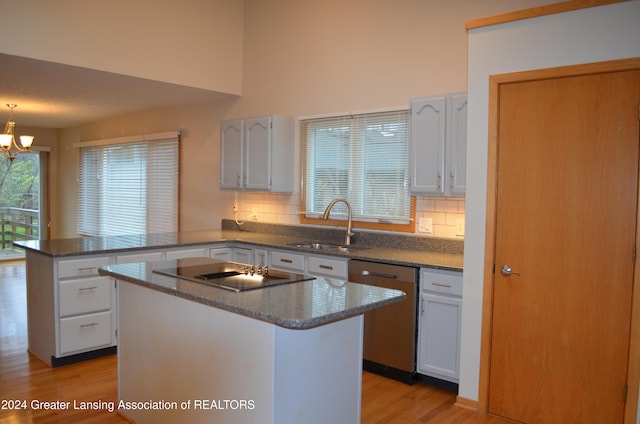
566, 207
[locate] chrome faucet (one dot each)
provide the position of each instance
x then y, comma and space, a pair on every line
325, 216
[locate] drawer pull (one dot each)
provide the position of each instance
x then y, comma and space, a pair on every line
286, 261
329, 267
441, 285
93, 324
82, 289
88, 268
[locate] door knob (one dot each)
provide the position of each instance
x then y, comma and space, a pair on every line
507, 271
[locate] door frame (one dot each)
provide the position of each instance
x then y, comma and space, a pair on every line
633, 368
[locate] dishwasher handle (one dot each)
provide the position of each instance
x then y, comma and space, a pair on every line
380, 275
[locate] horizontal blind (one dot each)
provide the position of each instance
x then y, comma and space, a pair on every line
363, 158
129, 188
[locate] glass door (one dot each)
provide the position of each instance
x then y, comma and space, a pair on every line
22, 196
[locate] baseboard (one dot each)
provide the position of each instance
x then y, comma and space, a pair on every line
465, 403
389, 372
72, 359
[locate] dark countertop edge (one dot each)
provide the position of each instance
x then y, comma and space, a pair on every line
396, 256
294, 324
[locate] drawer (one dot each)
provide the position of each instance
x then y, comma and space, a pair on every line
186, 253
86, 332
287, 260
81, 267
84, 295
441, 281
221, 253
331, 267
139, 257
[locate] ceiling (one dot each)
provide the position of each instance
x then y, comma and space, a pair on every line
52, 95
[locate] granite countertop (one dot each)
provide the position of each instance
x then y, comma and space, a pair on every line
390, 255
300, 305
404, 252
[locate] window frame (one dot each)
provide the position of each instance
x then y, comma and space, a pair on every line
408, 227
143, 148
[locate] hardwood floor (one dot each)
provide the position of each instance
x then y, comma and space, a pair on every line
24, 379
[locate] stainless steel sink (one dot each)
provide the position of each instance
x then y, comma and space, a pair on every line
325, 246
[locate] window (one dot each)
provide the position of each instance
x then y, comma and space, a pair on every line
129, 185
364, 159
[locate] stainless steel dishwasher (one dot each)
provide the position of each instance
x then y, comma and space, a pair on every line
389, 332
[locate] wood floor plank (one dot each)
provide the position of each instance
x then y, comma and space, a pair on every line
25, 378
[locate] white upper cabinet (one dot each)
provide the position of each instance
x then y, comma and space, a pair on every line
231, 153
456, 154
257, 154
428, 131
438, 145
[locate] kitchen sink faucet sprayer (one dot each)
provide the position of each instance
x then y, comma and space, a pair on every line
325, 216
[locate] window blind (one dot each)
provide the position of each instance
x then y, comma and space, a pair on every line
363, 158
129, 186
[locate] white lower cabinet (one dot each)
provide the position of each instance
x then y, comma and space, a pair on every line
327, 266
87, 317
294, 261
261, 256
222, 253
439, 324
243, 255
71, 309
185, 253
237, 254
287, 260
128, 258
86, 332
85, 295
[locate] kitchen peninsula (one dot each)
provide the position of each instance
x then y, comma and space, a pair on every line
285, 353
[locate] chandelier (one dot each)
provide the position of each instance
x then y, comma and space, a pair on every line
8, 144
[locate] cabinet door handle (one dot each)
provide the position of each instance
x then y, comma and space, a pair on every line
441, 285
81, 289
93, 324
380, 274
326, 267
88, 268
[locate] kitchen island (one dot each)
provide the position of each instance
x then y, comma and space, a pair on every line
190, 352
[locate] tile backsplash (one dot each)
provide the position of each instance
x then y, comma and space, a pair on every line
446, 213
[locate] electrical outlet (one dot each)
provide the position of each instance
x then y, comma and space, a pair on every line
460, 227
425, 225
254, 211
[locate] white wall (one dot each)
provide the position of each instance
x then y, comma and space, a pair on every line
588, 35
197, 43
300, 58
333, 56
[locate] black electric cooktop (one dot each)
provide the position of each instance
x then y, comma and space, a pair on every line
229, 275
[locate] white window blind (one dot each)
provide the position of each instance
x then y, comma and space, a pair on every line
129, 186
363, 158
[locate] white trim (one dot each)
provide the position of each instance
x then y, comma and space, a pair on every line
129, 139
362, 112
